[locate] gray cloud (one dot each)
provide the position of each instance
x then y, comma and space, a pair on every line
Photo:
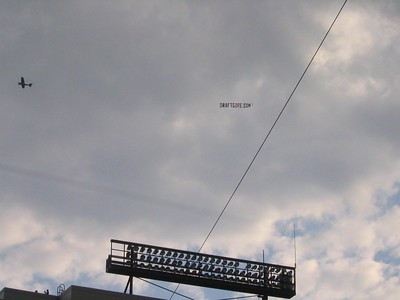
122, 135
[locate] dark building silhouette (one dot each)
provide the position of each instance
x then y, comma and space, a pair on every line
72, 293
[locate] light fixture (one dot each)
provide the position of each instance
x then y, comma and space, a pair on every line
201, 269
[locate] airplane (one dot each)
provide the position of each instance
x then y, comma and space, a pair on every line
23, 84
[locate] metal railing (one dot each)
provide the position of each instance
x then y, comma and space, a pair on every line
167, 264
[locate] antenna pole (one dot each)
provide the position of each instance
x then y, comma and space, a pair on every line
294, 245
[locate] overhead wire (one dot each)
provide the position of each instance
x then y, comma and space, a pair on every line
94, 187
269, 132
187, 297
240, 297
76, 183
164, 288
271, 129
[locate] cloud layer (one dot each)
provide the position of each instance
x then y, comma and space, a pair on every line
122, 136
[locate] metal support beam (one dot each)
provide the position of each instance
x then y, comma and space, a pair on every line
130, 285
200, 269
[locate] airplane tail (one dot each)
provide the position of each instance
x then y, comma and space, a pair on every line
30, 84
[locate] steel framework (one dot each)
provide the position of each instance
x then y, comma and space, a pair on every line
193, 268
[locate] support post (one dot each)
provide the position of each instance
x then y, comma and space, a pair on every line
130, 285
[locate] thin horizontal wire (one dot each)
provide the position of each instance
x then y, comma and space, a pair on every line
164, 288
241, 297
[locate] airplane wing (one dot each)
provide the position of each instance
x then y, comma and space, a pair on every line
22, 81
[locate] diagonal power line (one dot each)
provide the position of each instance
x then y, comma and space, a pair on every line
268, 134
271, 129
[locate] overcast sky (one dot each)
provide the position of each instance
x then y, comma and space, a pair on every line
122, 136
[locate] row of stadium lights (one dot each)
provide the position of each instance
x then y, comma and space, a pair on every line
207, 266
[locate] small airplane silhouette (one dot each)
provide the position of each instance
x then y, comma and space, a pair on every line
23, 84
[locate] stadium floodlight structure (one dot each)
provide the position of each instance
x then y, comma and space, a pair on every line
199, 269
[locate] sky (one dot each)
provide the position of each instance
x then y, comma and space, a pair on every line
124, 135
